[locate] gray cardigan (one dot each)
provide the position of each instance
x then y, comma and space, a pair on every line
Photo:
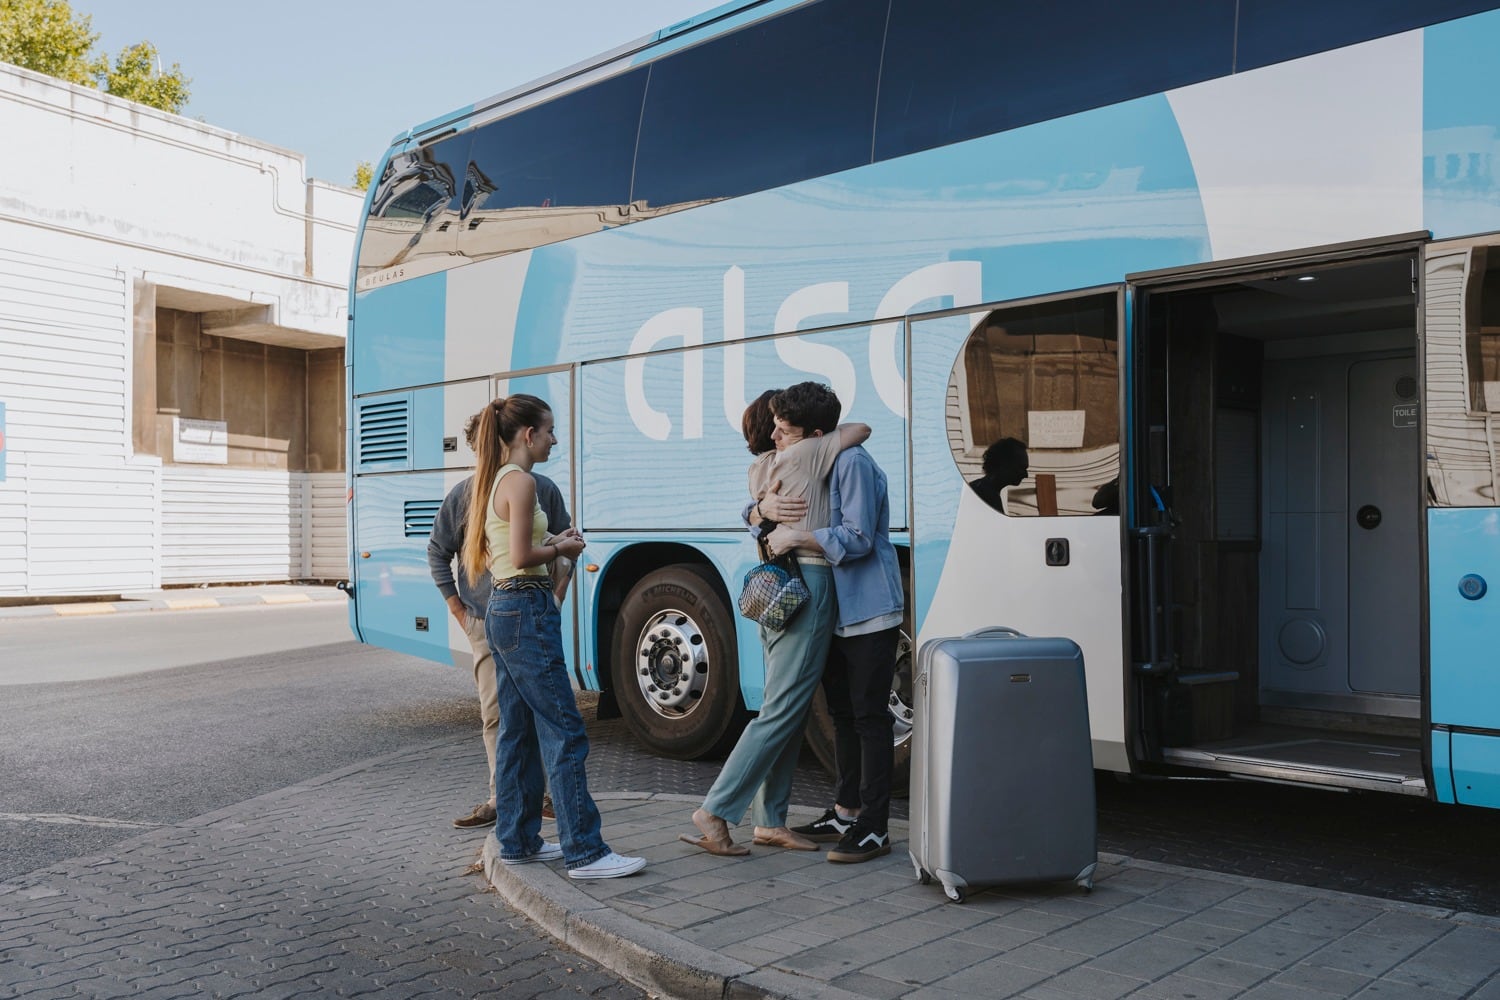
447, 540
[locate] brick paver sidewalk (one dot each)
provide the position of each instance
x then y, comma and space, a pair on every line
789, 923
352, 883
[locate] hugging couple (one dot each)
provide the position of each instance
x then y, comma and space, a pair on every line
816, 492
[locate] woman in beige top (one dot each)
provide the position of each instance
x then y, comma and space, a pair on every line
759, 770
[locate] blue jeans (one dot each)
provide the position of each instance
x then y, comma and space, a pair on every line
539, 727
763, 762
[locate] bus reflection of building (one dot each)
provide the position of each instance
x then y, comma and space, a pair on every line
1463, 376
447, 238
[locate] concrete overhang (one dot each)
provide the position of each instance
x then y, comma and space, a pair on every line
237, 319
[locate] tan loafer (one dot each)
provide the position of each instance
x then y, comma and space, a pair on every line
780, 836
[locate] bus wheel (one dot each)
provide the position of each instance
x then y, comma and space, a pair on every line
820, 724
674, 664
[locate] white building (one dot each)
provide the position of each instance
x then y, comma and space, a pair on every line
173, 308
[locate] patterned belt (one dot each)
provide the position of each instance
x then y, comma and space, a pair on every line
524, 583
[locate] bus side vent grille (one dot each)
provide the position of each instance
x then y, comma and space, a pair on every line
385, 433
419, 516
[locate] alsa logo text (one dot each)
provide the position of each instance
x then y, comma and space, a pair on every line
950, 284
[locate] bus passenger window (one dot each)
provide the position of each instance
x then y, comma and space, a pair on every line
414, 209
1462, 357
554, 171
1033, 414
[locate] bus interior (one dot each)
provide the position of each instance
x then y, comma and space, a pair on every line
1275, 523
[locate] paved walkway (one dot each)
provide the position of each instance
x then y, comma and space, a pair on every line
788, 923
178, 599
355, 882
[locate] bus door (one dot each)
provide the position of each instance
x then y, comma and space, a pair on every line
1015, 418
1460, 420
1276, 501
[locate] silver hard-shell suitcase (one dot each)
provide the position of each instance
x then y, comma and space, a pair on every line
1002, 772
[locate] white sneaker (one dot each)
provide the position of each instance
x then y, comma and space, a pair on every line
549, 851
609, 866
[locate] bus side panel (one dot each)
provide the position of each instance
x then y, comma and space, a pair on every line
977, 567
1464, 616
399, 335
393, 587
663, 448
1460, 115
1476, 770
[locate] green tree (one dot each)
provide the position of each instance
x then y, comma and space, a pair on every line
48, 37
45, 36
137, 76
364, 173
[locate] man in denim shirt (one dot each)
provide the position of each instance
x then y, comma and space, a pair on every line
862, 660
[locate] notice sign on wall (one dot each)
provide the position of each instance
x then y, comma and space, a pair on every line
1054, 428
201, 442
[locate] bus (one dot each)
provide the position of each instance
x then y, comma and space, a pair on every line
1219, 270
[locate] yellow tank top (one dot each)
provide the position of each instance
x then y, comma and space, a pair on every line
497, 533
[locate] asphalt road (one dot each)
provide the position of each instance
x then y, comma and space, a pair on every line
204, 709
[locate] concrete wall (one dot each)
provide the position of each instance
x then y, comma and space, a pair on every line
153, 266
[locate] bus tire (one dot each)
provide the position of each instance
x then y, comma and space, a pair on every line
674, 664
819, 734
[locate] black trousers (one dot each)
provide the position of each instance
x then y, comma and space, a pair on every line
857, 684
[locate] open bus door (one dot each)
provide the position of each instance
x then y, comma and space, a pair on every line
1275, 505
1029, 538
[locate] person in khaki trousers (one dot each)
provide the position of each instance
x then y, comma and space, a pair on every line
467, 602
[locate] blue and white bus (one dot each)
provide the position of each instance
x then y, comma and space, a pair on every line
1221, 267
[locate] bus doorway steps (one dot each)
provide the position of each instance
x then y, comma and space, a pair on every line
1318, 758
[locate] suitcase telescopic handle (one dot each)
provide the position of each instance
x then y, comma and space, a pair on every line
995, 630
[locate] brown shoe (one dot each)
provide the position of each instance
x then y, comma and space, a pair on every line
483, 815
715, 836
780, 836
547, 812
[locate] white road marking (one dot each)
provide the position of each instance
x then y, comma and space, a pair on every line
66, 819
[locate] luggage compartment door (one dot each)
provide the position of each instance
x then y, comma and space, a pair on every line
1015, 418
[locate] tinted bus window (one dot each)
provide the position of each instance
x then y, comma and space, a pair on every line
554, 171
766, 105
1272, 31
1034, 408
956, 69
415, 209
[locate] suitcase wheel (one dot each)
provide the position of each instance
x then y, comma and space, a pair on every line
955, 892
923, 877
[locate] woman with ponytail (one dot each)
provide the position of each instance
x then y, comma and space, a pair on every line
539, 722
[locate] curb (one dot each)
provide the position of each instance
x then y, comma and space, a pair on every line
86, 609
653, 959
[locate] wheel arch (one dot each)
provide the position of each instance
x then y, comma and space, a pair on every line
624, 571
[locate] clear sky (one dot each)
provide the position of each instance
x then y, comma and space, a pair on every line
336, 79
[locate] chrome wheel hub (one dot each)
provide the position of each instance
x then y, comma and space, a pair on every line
902, 712
671, 664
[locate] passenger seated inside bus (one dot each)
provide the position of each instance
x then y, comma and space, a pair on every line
1107, 498
1005, 464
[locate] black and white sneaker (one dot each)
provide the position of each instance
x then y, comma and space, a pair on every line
861, 843
828, 828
